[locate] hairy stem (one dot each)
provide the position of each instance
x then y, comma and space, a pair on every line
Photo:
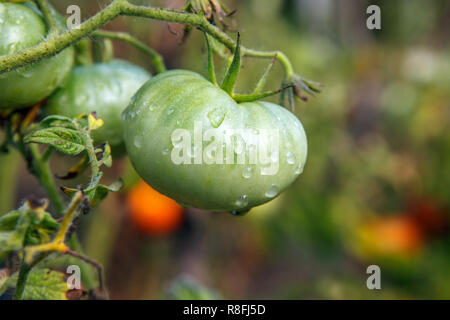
56, 44
40, 168
68, 217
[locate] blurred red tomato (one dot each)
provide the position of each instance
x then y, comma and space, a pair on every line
399, 236
153, 212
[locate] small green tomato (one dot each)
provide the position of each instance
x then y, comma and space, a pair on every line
105, 88
20, 28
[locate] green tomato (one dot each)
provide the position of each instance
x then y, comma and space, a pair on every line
21, 27
191, 141
105, 88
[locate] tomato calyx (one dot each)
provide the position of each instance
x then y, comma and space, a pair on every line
229, 80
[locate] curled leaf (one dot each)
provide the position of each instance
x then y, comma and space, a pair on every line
299, 85
94, 122
66, 140
57, 121
76, 170
99, 192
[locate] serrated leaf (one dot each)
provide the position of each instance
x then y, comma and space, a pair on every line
42, 284
66, 140
57, 121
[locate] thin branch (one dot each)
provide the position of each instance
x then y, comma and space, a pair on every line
56, 44
157, 59
49, 16
95, 264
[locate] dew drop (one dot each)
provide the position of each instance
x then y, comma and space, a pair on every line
138, 142
165, 151
151, 108
242, 201
178, 122
272, 192
290, 158
239, 213
170, 111
274, 156
299, 169
216, 117
247, 173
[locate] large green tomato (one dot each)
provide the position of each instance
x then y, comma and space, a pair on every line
105, 88
20, 28
192, 142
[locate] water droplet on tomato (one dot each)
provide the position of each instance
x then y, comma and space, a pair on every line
239, 213
272, 192
138, 142
247, 173
299, 169
290, 157
216, 117
242, 201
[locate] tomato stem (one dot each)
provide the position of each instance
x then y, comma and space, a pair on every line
157, 59
49, 14
211, 68
54, 45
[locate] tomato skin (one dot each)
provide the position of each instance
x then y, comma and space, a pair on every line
20, 28
178, 98
105, 88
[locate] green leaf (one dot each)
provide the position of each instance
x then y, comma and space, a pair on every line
42, 284
13, 239
29, 225
66, 140
100, 192
57, 121
9, 220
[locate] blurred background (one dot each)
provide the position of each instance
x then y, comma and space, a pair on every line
375, 189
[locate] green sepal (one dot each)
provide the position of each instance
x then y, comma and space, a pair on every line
229, 80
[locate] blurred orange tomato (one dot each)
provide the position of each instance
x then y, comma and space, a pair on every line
399, 236
153, 212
